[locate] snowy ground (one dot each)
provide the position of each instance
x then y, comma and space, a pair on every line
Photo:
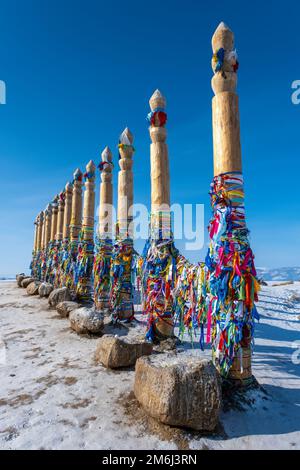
53, 395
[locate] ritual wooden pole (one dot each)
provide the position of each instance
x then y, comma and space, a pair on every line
85, 256
67, 211
58, 239
230, 259
46, 259
102, 261
160, 264
34, 250
54, 205
39, 245
52, 252
66, 232
122, 288
75, 228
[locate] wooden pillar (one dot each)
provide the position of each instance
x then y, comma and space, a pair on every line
75, 229
102, 261
54, 205
39, 245
48, 224
121, 301
76, 214
58, 241
40, 231
45, 241
160, 263
228, 198
225, 105
125, 185
66, 233
35, 235
34, 250
48, 244
86, 248
67, 211
52, 251
159, 159
60, 217
106, 196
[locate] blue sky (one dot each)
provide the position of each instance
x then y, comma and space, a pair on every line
78, 72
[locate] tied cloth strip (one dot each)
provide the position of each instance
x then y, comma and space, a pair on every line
57, 264
222, 57
101, 271
36, 265
232, 277
157, 118
84, 266
190, 298
157, 268
63, 261
69, 261
51, 262
121, 294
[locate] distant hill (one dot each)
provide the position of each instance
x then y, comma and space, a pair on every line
279, 274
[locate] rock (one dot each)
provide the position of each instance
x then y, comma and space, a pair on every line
179, 390
65, 308
86, 320
283, 283
59, 295
26, 281
169, 344
114, 351
20, 278
33, 288
45, 289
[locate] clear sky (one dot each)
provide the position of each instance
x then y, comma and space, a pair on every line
77, 72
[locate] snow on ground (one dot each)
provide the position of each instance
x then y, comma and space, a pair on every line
54, 396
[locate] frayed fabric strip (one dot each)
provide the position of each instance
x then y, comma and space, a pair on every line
232, 280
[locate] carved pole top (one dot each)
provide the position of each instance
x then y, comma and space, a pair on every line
126, 138
126, 149
89, 175
54, 202
77, 175
224, 60
106, 155
49, 209
157, 100
41, 216
68, 187
90, 167
222, 37
106, 165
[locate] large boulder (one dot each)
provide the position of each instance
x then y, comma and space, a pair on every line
19, 279
26, 281
65, 308
86, 320
114, 351
59, 295
45, 289
33, 288
179, 390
